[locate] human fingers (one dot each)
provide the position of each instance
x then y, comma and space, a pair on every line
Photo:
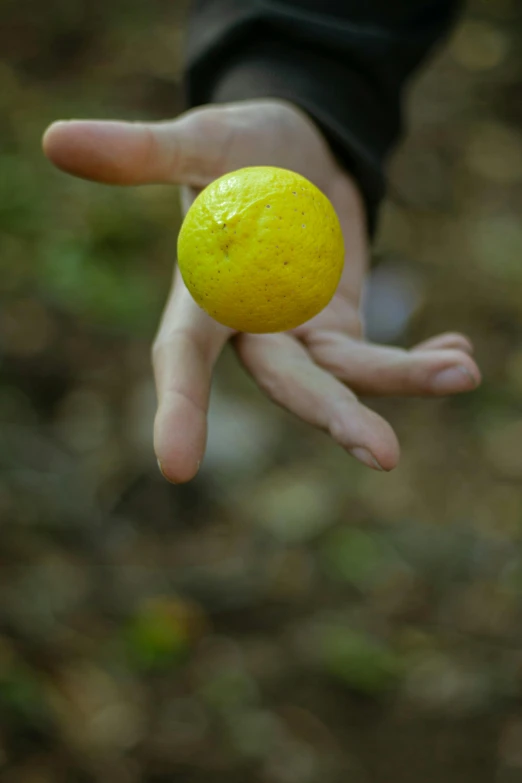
189, 150
283, 369
380, 370
447, 340
184, 353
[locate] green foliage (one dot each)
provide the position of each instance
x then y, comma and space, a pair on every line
87, 284
21, 692
359, 661
155, 641
20, 211
356, 557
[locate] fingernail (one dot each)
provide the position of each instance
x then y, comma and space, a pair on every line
366, 457
163, 473
453, 379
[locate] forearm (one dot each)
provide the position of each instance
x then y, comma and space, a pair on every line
345, 62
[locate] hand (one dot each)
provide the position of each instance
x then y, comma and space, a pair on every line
314, 371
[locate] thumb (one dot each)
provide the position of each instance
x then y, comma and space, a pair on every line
190, 150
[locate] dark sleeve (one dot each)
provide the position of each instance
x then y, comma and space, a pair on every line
345, 62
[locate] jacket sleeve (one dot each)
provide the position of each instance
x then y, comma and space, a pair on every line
345, 62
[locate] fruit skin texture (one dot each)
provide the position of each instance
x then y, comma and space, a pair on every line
261, 250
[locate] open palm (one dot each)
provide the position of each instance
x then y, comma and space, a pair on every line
315, 371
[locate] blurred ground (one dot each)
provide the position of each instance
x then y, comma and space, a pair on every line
288, 617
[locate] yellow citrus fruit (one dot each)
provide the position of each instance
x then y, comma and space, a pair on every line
261, 250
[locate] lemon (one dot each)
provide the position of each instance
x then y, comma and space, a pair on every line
261, 250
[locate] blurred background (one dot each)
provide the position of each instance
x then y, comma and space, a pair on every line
288, 617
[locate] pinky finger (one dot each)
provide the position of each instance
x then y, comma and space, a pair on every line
449, 340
